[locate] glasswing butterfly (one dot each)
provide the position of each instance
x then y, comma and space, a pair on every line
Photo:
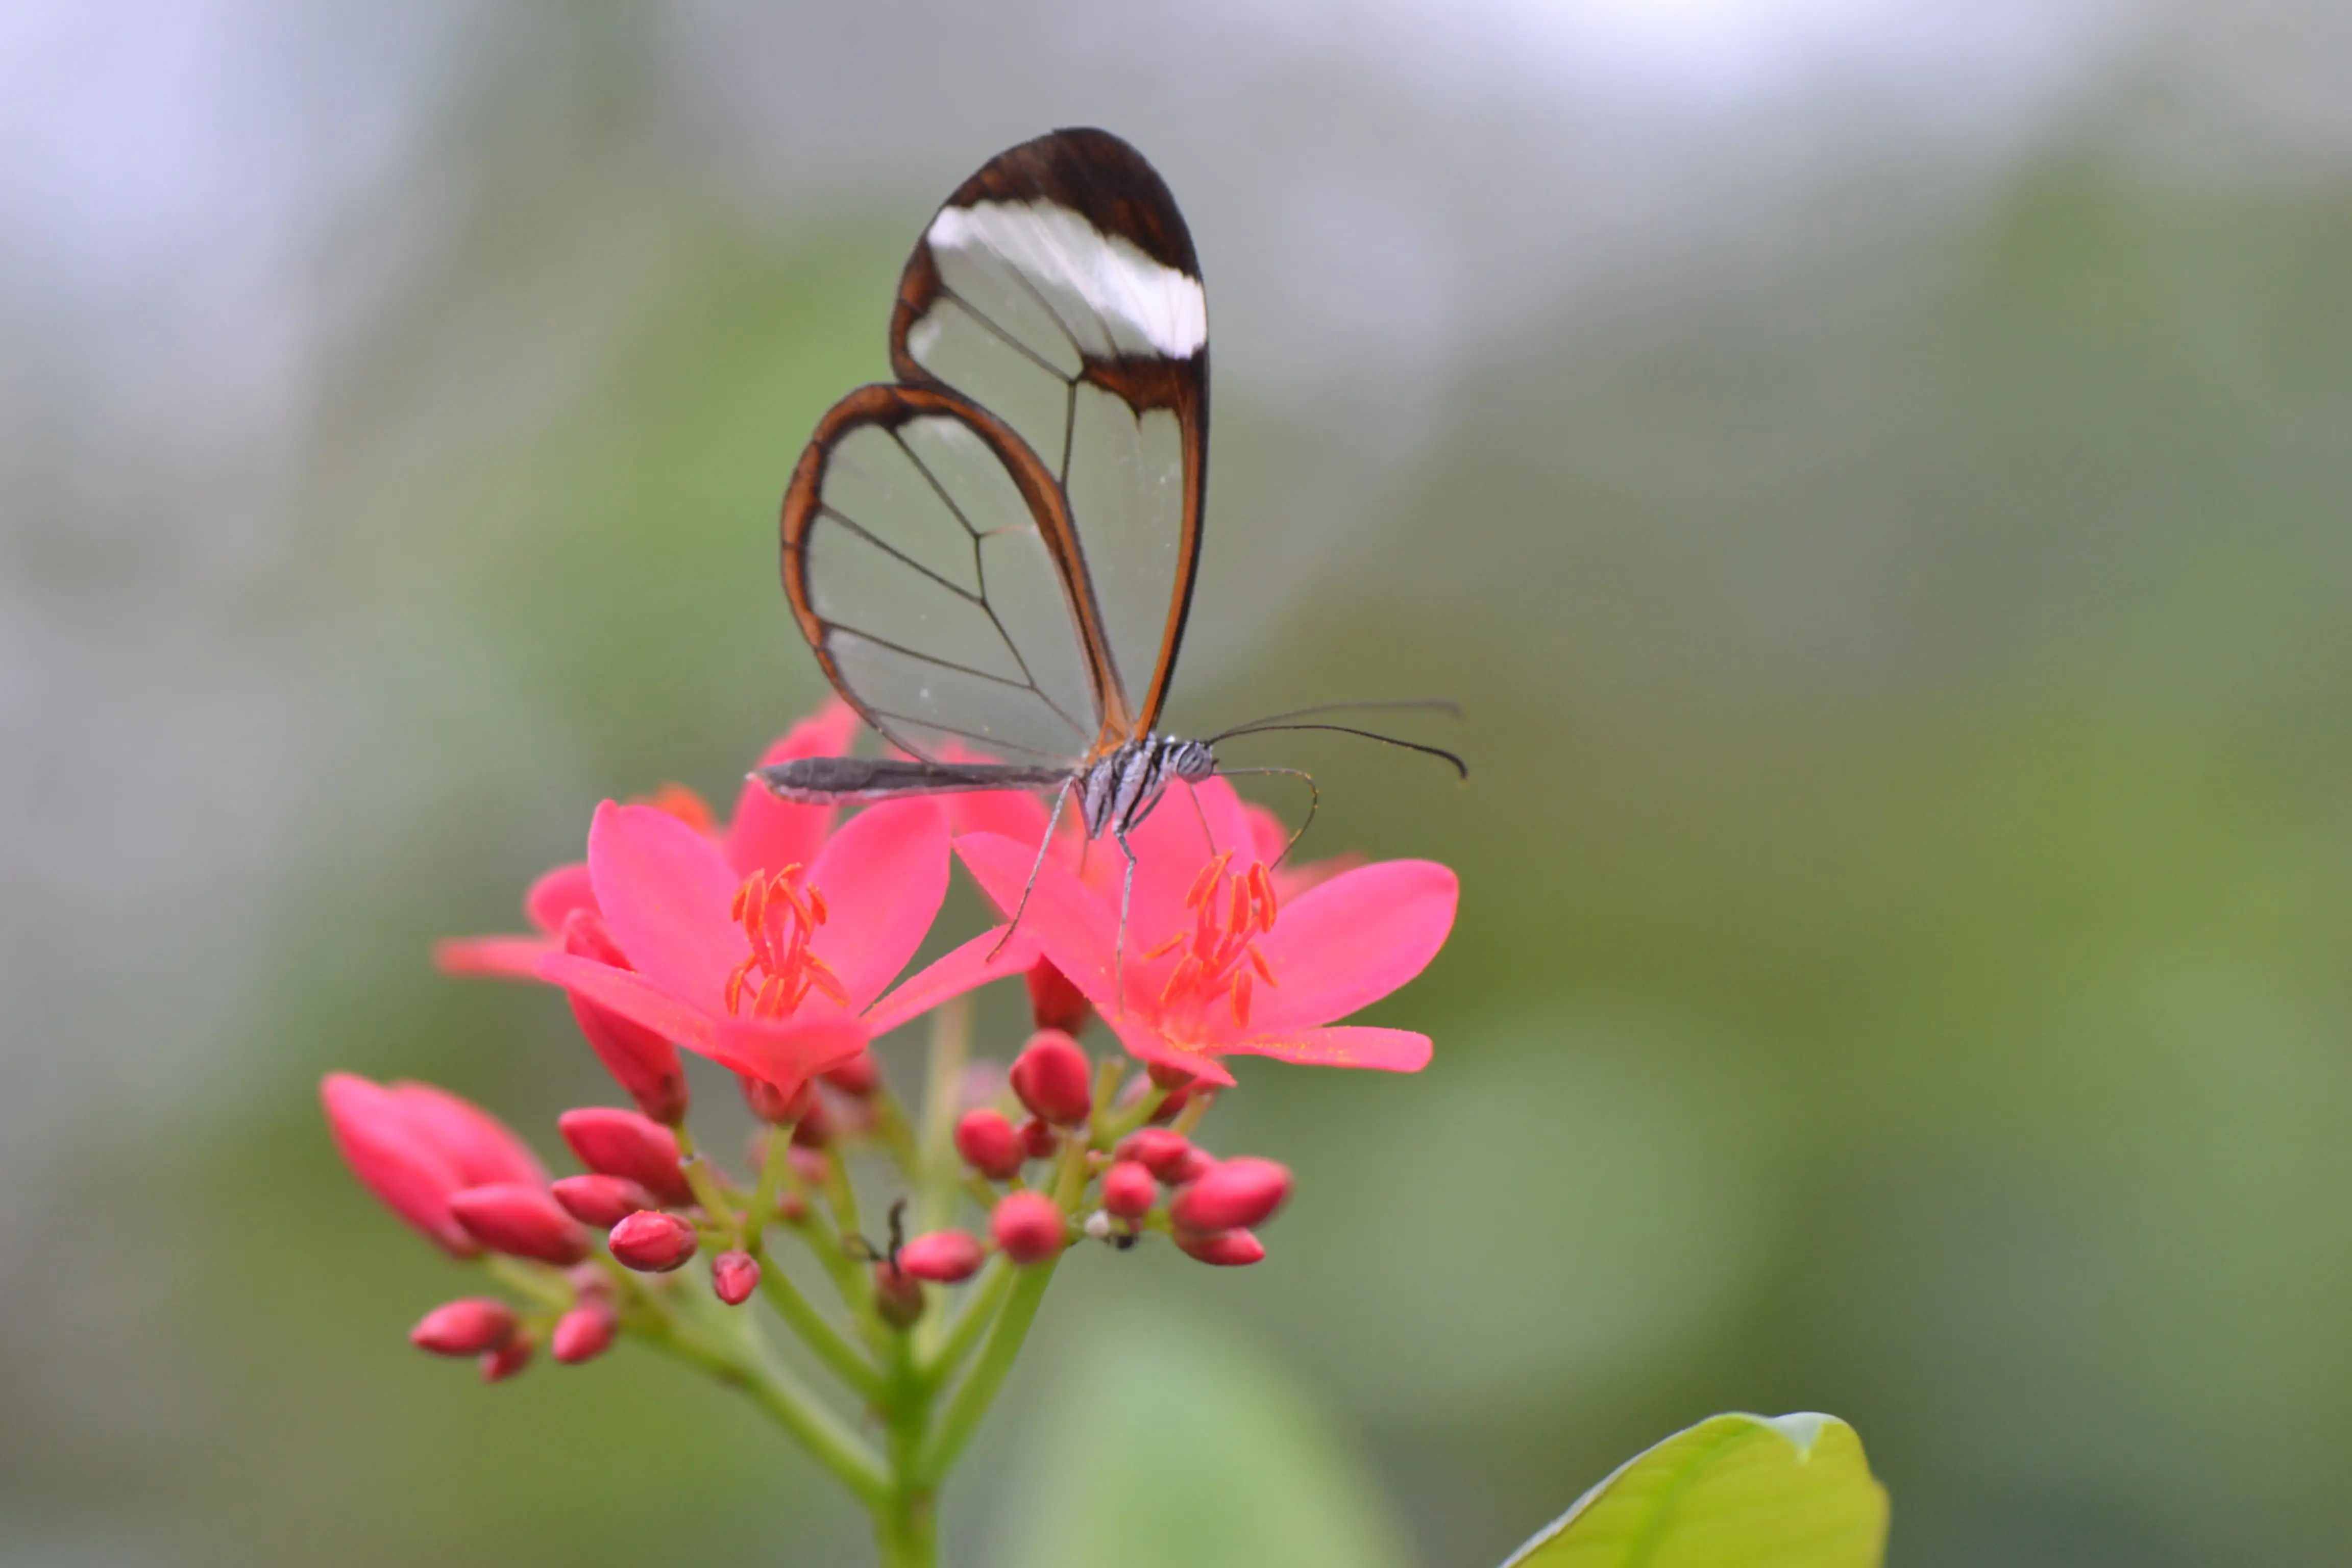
984, 554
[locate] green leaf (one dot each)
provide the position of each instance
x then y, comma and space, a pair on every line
1734, 1491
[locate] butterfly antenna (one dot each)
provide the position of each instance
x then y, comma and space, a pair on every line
1314, 803
1445, 705
1460, 767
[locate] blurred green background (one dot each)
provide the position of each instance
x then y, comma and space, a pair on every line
1876, 473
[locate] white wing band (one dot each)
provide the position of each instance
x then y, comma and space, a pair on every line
1144, 305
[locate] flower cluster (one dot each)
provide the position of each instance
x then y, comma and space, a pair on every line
774, 945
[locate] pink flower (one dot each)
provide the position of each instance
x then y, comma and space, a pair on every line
776, 970
1223, 956
765, 946
418, 1147
765, 833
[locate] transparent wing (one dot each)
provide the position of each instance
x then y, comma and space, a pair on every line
1058, 288
928, 557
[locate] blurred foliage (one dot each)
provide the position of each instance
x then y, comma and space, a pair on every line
1165, 1443
1906, 869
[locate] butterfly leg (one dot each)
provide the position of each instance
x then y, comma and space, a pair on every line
1061, 798
1126, 898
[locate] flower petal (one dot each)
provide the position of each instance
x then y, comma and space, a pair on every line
634, 997
1010, 814
1354, 1046
884, 876
788, 1052
557, 893
767, 833
513, 957
1268, 836
1350, 941
1069, 924
969, 967
1146, 1044
665, 891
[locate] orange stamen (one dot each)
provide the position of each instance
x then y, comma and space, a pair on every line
1221, 961
779, 972
683, 803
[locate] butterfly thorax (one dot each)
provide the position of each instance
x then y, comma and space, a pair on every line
1118, 791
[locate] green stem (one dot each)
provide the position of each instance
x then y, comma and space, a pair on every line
906, 1529
971, 1401
779, 1395
907, 1533
943, 1089
896, 1133
798, 1312
980, 1310
800, 1315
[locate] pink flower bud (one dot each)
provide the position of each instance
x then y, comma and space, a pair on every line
773, 1105
1028, 1226
815, 1127
810, 1166
652, 1242
1160, 1152
1226, 1249
640, 1061
409, 1173
1173, 1106
602, 1201
1053, 1002
466, 1327
618, 1143
1168, 1077
1038, 1141
1054, 1078
508, 1359
858, 1076
898, 1297
1191, 1166
734, 1276
984, 1082
1128, 1190
988, 1145
1181, 1088
1230, 1196
521, 1222
945, 1256
483, 1148
583, 1333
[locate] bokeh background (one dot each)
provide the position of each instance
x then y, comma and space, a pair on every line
1876, 471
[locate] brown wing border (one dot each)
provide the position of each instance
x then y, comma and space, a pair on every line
1114, 187
889, 406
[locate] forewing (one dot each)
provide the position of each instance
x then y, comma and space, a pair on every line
1058, 287
923, 556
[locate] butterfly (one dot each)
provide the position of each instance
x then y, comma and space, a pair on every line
997, 550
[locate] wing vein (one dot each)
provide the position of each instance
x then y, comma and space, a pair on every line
1007, 681
859, 529
980, 574
996, 740
1005, 336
